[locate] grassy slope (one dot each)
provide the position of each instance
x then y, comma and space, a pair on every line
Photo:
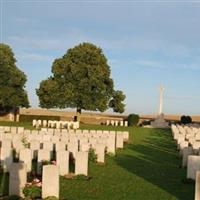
148, 169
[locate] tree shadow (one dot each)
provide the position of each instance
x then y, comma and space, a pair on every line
155, 160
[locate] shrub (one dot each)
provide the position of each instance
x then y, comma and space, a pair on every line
133, 119
32, 191
92, 156
185, 119
24, 142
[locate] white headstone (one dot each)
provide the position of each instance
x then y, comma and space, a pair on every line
43, 156
50, 181
197, 186
60, 146
119, 140
17, 178
20, 130
25, 155
72, 147
126, 123
62, 161
125, 135
81, 163
193, 166
187, 151
35, 147
111, 144
85, 147
100, 151
6, 154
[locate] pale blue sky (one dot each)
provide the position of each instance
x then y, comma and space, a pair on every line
146, 42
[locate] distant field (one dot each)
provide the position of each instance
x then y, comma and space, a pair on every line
146, 169
46, 112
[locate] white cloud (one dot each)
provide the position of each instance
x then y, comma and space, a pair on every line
33, 57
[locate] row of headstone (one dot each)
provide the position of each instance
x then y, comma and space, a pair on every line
101, 142
188, 142
55, 124
11, 129
62, 160
59, 136
116, 123
50, 131
18, 180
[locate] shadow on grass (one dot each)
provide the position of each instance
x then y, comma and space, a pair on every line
4, 181
155, 160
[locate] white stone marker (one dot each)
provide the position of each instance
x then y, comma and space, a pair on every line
107, 122
62, 161
17, 178
50, 181
34, 122
81, 163
125, 123
111, 144
100, 151
48, 145
25, 156
193, 166
20, 130
7, 129
43, 155
60, 146
197, 186
125, 135
112, 122
13, 129
8, 136
72, 147
35, 147
45, 123
183, 145
85, 147
185, 153
6, 154
47, 138
55, 139
119, 140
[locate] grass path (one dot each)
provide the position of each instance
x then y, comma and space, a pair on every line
146, 169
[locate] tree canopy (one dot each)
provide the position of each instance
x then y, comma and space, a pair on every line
81, 79
12, 81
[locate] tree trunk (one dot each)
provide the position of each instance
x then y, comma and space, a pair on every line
78, 114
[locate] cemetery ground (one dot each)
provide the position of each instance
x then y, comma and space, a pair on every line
148, 168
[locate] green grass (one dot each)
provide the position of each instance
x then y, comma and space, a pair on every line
146, 169
26, 125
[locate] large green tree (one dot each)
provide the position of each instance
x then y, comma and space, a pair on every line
81, 79
12, 81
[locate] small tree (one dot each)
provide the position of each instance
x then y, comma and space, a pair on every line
186, 119
81, 80
12, 81
133, 119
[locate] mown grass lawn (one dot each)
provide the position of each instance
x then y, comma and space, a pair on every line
146, 169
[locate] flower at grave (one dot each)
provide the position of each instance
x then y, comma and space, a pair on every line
28, 184
39, 184
53, 162
36, 180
